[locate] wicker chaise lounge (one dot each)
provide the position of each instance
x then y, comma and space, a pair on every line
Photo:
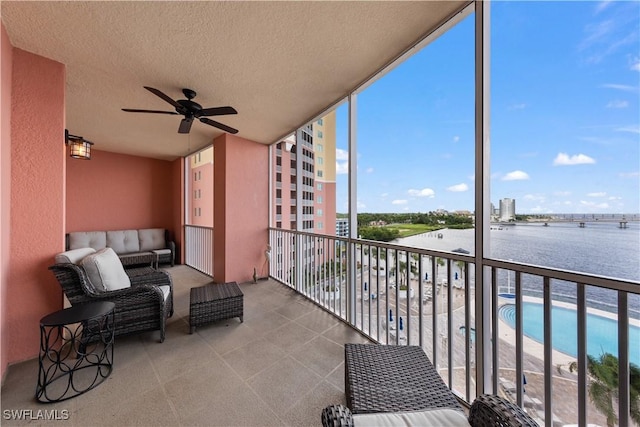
398, 385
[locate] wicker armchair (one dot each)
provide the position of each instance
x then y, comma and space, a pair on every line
142, 307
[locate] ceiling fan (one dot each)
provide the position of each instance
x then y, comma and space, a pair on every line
190, 110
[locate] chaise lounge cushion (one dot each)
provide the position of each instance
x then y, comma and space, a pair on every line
105, 271
74, 256
441, 417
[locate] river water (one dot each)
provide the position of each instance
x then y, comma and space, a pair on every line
599, 248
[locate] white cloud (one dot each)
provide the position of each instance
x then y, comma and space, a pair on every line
594, 204
458, 188
360, 205
342, 154
456, 138
617, 104
342, 168
520, 106
631, 129
425, 192
563, 159
597, 194
399, 202
562, 193
446, 156
534, 197
635, 64
384, 194
614, 198
625, 88
626, 175
516, 176
369, 170
602, 6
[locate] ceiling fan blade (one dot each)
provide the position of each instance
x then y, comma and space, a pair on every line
131, 110
217, 111
218, 125
185, 125
163, 96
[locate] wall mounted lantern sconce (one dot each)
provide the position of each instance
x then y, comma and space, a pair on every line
79, 148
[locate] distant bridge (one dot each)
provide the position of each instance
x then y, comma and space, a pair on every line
583, 219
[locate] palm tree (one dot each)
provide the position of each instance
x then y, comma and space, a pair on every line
603, 387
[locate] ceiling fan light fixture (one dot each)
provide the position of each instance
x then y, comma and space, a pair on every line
79, 148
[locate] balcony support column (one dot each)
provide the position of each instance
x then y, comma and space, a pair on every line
482, 197
353, 208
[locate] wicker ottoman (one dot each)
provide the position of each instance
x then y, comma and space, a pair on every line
213, 302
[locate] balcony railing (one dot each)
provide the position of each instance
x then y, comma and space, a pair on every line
391, 292
199, 248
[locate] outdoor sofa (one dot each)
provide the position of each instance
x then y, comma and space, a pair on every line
150, 246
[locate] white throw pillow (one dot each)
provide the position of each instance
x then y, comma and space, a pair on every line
105, 271
74, 256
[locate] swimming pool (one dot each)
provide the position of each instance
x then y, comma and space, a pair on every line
602, 332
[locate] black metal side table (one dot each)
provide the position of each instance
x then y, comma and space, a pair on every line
76, 350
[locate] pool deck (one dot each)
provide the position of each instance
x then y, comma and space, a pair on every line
564, 383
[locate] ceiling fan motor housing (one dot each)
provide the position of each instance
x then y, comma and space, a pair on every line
189, 106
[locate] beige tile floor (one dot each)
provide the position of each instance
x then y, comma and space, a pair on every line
278, 368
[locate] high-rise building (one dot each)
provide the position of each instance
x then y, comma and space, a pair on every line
342, 227
324, 149
200, 202
507, 209
316, 145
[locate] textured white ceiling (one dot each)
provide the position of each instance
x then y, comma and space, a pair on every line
277, 63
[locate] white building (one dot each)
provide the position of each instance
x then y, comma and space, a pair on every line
507, 209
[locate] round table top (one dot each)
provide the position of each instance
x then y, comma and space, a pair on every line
77, 313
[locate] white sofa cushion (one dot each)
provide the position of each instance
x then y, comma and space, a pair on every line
440, 417
88, 239
123, 241
105, 271
151, 238
73, 256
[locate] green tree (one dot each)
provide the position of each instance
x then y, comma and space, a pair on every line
603, 386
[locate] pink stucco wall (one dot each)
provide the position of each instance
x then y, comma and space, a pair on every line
241, 208
5, 188
37, 199
117, 192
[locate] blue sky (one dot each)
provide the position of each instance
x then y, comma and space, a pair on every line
565, 116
